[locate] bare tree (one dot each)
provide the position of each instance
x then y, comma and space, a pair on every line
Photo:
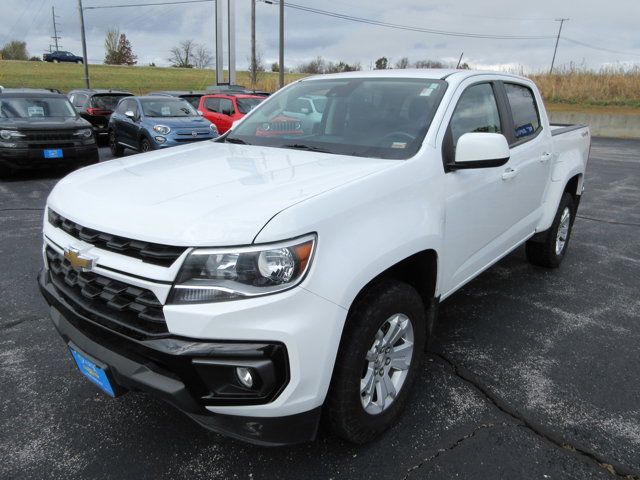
403, 63
14, 50
182, 56
202, 58
256, 68
429, 64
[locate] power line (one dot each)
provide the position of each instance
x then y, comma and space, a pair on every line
123, 5
603, 49
406, 27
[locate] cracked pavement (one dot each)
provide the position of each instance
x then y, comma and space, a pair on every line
531, 374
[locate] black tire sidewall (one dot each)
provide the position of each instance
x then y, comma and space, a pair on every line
370, 313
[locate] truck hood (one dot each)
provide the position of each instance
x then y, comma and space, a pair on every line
202, 194
58, 123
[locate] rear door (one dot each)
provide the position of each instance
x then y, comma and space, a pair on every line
531, 151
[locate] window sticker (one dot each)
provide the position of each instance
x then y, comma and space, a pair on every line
166, 111
525, 130
35, 111
399, 145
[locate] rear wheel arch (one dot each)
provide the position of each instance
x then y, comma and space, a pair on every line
574, 186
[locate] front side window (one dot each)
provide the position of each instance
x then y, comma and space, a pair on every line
477, 111
366, 117
212, 104
36, 107
169, 107
526, 120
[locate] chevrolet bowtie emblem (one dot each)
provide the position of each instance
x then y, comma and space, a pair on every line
78, 260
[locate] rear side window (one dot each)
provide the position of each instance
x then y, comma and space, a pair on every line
477, 111
105, 102
212, 104
526, 120
226, 106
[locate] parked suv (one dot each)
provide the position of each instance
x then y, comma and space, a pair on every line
61, 56
152, 122
224, 109
190, 96
96, 107
39, 128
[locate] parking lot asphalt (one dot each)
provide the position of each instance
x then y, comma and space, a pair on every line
532, 373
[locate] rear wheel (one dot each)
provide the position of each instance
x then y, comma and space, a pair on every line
116, 149
55, 60
550, 251
79, 62
380, 355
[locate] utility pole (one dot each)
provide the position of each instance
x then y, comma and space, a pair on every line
219, 44
553, 61
254, 61
231, 40
281, 57
55, 28
85, 64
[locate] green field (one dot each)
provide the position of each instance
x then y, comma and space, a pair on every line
138, 80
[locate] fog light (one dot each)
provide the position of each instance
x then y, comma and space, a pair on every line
160, 139
245, 377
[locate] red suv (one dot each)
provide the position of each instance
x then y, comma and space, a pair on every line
224, 109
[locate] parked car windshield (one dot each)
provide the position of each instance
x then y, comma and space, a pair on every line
245, 105
106, 102
193, 100
36, 107
167, 107
381, 117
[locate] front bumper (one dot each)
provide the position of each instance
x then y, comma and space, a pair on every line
164, 368
32, 158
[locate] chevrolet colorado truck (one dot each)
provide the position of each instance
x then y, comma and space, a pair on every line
259, 283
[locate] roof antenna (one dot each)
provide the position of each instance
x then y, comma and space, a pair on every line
459, 61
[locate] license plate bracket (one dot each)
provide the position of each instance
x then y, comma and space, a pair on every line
52, 153
97, 372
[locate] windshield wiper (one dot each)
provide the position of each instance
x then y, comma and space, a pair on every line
235, 140
301, 146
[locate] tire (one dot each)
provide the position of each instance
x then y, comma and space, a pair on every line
116, 149
56, 61
550, 251
79, 62
345, 412
146, 145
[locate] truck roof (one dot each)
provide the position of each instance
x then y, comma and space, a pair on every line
434, 73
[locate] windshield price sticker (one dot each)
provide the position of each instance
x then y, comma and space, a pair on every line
35, 111
166, 111
399, 145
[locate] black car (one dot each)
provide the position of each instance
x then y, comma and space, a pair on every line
96, 107
39, 129
192, 97
61, 56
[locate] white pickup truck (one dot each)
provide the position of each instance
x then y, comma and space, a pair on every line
291, 270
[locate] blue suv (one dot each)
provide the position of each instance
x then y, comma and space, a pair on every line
152, 122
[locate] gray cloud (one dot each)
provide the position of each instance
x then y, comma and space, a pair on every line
154, 30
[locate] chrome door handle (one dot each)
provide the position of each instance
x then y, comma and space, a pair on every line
509, 173
545, 157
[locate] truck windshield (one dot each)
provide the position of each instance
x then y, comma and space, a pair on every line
377, 117
167, 107
36, 107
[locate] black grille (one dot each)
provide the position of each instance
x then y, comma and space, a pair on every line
163, 255
118, 306
50, 135
284, 126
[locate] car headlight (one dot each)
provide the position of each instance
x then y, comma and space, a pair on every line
219, 274
162, 129
84, 133
214, 129
10, 134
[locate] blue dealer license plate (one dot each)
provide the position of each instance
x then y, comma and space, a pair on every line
93, 372
53, 153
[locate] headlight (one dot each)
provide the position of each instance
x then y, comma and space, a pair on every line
162, 129
219, 274
84, 133
9, 134
214, 129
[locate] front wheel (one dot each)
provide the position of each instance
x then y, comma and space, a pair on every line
56, 61
550, 251
379, 357
145, 145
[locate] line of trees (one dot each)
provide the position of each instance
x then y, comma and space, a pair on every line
383, 63
320, 65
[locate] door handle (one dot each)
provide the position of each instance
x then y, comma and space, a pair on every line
544, 158
509, 173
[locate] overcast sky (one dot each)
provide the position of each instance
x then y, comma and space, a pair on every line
610, 25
